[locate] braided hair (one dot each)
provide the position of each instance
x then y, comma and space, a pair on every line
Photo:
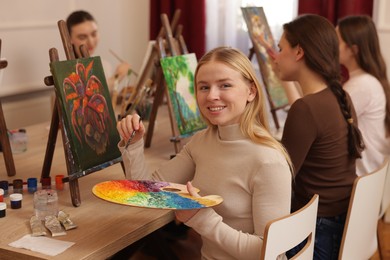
318, 38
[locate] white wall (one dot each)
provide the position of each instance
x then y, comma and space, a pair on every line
29, 29
382, 21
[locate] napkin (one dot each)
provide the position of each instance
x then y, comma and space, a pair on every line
44, 245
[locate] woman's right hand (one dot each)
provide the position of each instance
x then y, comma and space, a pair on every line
128, 124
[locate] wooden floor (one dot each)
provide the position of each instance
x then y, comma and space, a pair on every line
189, 248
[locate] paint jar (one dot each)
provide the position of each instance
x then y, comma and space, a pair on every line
45, 203
16, 200
46, 183
32, 185
18, 140
3, 207
59, 183
1, 195
4, 186
17, 186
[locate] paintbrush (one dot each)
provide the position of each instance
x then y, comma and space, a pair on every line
131, 136
116, 56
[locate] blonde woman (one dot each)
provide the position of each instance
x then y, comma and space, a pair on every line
235, 157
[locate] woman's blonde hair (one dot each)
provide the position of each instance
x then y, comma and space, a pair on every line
254, 120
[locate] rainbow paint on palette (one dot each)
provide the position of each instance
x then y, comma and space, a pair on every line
152, 194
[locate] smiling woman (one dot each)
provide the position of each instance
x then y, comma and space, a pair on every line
222, 98
231, 101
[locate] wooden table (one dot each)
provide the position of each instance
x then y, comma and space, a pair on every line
103, 227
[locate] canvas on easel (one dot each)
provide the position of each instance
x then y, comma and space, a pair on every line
152, 70
260, 34
84, 114
179, 77
89, 118
170, 49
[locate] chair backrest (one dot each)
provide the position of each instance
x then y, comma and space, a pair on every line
284, 233
359, 238
386, 194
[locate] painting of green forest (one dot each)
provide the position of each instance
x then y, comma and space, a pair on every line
89, 119
179, 76
261, 35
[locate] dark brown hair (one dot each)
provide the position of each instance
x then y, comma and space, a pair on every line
78, 17
360, 31
318, 39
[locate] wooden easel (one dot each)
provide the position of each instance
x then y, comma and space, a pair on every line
273, 107
57, 122
165, 48
153, 63
4, 140
173, 48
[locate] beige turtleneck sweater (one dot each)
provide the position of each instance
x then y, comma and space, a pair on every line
254, 181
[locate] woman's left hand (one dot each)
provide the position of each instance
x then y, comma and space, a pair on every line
185, 215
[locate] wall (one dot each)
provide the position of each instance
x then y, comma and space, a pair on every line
29, 30
382, 21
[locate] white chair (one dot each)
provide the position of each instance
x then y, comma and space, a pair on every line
287, 232
360, 232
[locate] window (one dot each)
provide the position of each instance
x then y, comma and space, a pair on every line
226, 26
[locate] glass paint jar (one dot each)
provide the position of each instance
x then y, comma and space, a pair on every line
3, 207
59, 183
4, 186
32, 185
16, 200
17, 186
46, 183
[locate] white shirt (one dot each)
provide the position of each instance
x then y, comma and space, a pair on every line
369, 101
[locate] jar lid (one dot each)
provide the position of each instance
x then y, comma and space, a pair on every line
3, 205
1, 192
32, 181
46, 181
15, 197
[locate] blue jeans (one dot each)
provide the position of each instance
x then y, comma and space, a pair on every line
329, 232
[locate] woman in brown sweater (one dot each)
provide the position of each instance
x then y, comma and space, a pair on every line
320, 132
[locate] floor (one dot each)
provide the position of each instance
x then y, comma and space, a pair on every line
188, 248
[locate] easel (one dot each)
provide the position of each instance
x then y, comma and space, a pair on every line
58, 121
4, 140
158, 81
273, 107
170, 47
174, 48
262, 41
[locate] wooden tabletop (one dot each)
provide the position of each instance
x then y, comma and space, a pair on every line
103, 227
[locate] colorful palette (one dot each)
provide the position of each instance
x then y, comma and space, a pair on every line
152, 194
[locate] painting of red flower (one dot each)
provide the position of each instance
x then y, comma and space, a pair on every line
86, 107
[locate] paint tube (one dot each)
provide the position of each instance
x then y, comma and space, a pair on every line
66, 221
37, 227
